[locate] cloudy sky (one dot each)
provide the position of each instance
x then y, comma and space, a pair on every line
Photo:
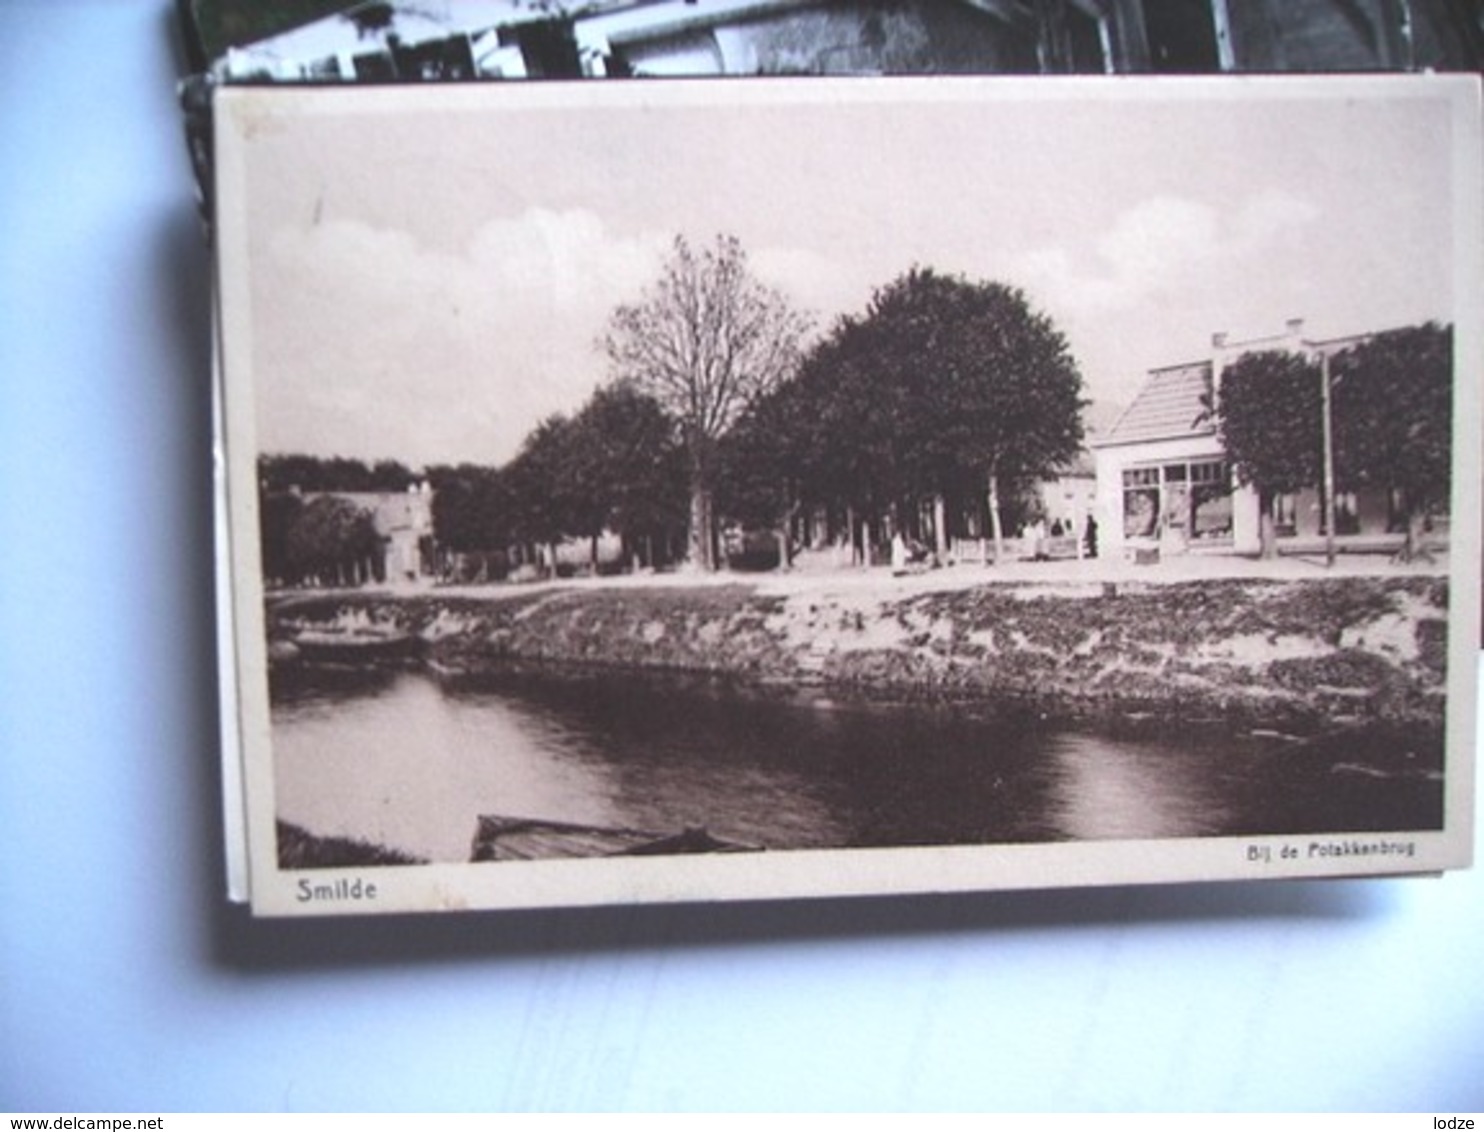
430, 271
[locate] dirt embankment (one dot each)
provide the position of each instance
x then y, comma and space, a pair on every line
1300, 655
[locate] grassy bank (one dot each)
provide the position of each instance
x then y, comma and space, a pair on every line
300, 849
1302, 655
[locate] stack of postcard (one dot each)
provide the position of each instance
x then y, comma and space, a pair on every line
826, 486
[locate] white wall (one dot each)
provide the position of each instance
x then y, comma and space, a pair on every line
1112, 461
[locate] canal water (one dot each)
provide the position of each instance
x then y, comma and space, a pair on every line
409, 760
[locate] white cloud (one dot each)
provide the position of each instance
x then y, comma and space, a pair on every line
816, 283
565, 261
1157, 241
1271, 216
1161, 246
372, 344
1152, 286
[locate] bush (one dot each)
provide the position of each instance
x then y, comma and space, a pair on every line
300, 849
1349, 668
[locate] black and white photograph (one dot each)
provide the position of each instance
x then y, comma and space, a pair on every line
711, 489
378, 41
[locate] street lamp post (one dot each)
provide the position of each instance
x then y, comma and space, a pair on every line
1329, 460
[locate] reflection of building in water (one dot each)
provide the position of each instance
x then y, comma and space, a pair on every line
1164, 481
460, 39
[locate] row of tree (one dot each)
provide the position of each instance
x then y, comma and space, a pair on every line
614, 466
942, 388
279, 473
718, 414
322, 540
1390, 421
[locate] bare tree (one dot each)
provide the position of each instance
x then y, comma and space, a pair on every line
705, 341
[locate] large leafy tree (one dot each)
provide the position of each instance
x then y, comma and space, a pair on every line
277, 513
1393, 400
943, 386
469, 513
1268, 416
626, 471
294, 471
540, 481
472, 515
765, 462
705, 341
333, 541
859, 423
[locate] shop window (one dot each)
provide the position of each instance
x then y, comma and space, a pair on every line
1140, 512
1211, 512
1192, 498
1141, 477
1209, 472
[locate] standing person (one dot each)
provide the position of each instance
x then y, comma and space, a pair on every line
898, 553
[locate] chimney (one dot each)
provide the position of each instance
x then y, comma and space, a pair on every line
1219, 342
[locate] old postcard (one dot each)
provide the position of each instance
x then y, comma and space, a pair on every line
710, 490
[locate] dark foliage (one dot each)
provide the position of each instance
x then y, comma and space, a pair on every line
1268, 416
277, 513
300, 849
942, 387
624, 471
330, 539
471, 508
1393, 407
1391, 414
293, 472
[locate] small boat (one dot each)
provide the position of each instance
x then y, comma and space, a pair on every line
353, 645
498, 838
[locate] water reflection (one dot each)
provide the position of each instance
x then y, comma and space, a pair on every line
1136, 790
410, 768
409, 762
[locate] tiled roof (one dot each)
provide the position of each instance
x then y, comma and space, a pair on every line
1167, 408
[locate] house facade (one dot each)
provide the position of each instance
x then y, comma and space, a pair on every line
1163, 478
1165, 482
1066, 501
